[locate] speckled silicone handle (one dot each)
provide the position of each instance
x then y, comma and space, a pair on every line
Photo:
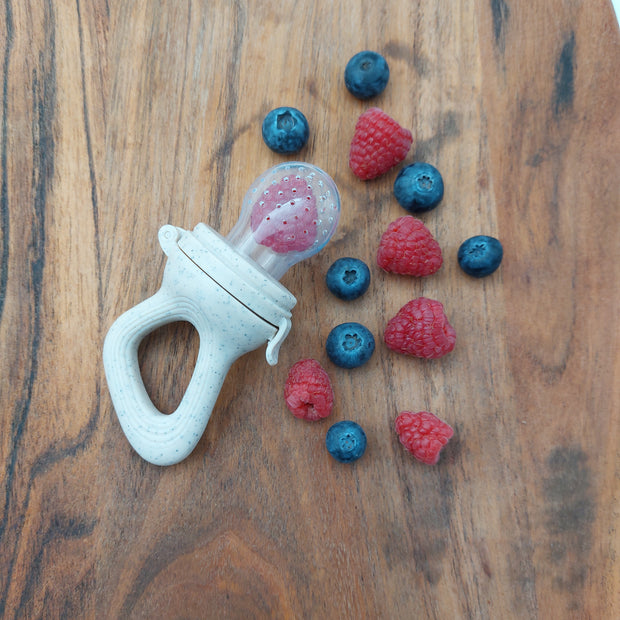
227, 330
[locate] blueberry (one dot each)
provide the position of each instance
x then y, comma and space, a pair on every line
366, 75
350, 345
285, 130
346, 441
348, 278
480, 256
418, 187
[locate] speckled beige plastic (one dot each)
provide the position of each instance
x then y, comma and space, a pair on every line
227, 328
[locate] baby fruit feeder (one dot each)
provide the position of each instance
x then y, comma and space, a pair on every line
228, 289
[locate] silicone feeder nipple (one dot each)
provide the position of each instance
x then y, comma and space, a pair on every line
228, 289
288, 214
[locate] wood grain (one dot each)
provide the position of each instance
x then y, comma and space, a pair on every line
119, 117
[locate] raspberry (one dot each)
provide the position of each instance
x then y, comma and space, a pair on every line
285, 218
423, 434
408, 248
420, 328
378, 144
308, 391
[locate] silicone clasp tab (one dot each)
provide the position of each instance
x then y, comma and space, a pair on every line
273, 346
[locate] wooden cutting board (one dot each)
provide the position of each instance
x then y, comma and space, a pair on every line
120, 117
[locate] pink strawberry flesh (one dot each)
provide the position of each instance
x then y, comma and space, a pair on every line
285, 217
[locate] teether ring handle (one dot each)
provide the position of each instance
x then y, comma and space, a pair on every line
159, 438
227, 330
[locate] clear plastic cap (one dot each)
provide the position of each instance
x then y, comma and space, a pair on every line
289, 213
